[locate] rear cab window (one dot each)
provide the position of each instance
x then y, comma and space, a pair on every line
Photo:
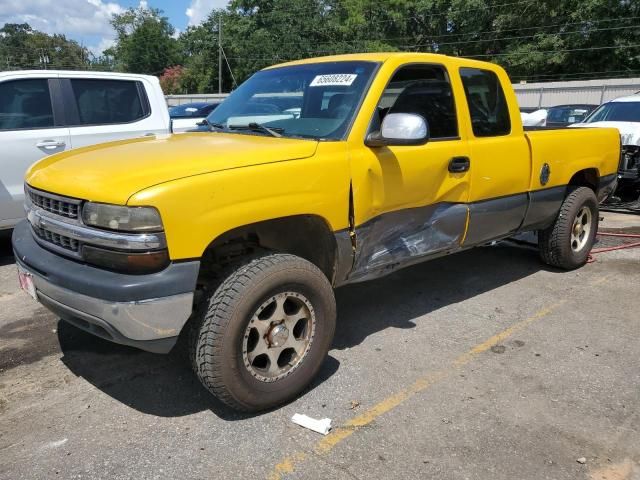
487, 103
25, 104
108, 102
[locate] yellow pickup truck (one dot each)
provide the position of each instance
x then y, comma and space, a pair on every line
311, 175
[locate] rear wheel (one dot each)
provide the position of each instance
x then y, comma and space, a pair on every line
263, 334
568, 241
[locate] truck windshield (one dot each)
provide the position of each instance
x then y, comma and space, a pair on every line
317, 100
616, 112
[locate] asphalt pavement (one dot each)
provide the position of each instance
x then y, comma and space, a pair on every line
482, 365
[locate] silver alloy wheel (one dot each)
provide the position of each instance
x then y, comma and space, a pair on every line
581, 229
278, 336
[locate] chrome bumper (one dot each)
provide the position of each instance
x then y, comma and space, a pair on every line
151, 324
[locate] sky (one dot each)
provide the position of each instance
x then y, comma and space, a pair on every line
87, 21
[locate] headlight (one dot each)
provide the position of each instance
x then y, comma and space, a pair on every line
122, 219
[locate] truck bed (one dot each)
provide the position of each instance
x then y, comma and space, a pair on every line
569, 150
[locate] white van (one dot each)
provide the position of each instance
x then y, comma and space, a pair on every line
43, 112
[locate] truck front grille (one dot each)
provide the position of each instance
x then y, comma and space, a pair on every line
55, 204
67, 243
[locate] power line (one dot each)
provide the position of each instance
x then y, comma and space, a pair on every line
551, 51
229, 67
488, 55
502, 39
475, 41
468, 34
576, 75
471, 42
536, 27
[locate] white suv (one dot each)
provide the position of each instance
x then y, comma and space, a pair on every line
624, 114
46, 111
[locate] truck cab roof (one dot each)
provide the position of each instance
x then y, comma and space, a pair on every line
401, 57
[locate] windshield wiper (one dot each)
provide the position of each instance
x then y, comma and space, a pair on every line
211, 126
256, 127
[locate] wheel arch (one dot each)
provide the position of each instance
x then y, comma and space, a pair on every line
308, 236
588, 177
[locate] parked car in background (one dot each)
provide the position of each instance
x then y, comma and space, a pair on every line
565, 115
187, 116
46, 111
263, 107
623, 114
556, 117
536, 118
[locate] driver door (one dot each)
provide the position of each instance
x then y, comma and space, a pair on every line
408, 204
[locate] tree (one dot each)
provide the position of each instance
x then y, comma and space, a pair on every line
531, 38
171, 80
144, 42
199, 51
22, 47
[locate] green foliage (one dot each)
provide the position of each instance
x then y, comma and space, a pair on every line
171, 80
145, 42
199, 50
532, 39
25, 48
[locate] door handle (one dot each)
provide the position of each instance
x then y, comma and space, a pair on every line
50, 144
459, 164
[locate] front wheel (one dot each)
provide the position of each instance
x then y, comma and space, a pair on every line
568, 241
264, 332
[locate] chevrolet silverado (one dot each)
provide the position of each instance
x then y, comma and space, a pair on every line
311, 175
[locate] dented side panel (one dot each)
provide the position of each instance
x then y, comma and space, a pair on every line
396, 239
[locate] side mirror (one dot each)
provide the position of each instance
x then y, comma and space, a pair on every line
400, 129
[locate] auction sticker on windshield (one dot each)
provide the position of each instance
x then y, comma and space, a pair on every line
25, 279
335, 79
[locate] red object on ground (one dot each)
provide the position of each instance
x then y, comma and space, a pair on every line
618, 247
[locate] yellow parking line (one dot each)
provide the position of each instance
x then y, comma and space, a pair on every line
337, 435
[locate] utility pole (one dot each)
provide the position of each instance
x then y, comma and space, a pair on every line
220, 54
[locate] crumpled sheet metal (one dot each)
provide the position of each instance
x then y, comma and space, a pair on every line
393, 240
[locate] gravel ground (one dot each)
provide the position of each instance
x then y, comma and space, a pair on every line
483, 365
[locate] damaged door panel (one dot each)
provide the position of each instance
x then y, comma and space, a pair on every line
397, 239
407, 201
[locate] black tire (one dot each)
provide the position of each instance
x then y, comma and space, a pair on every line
219, 329
555, 242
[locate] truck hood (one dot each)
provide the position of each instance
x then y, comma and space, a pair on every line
629, 131
112, 172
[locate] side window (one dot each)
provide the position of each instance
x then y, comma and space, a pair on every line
106, 102
424, 90
25, 104
487, 103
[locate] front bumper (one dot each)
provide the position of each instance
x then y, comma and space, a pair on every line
144, 311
